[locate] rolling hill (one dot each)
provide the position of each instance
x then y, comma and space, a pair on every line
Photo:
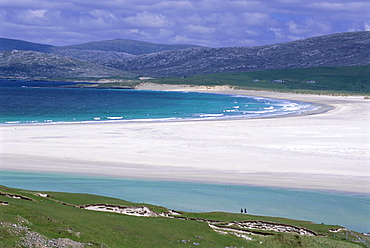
133, 47
99, 52
37, 65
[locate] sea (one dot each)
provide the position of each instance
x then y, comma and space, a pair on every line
30, 102
47, 103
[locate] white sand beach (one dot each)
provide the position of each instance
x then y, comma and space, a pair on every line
326, 151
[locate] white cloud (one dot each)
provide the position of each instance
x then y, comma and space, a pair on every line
279, 33
147, 20
367, 26
103, 14
248, 5
308, 26
38, 13
256, 19
251, 33
175, 5
359, 6
200, 29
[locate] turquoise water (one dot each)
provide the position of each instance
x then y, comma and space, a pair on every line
351, 211
27, 102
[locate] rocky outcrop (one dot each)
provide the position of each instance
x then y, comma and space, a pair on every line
28, 238
269, 226
128, 210
16, 196
247, 227
43, 195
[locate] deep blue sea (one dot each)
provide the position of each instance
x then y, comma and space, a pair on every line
30, 102
27, 102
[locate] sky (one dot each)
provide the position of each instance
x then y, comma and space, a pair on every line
212, 23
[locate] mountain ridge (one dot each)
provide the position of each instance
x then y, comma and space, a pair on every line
133, 47
344, 49
127, 46
99, 52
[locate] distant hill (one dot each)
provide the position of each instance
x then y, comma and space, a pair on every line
100, 52
36, 65
92, 56
129, 46
344, 49
12, 44
165, 60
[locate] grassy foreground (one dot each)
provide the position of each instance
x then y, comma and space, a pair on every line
59, 220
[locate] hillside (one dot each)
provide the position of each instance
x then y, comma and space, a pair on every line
36, 65
92, 56
99, 52
51, 219
344, 49
12, 44
104, 52
162, 60
133, 47
118, 48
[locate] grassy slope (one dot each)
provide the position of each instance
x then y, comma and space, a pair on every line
348, 80
103, 229
328, 80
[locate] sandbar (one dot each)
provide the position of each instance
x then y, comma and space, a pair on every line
326, 151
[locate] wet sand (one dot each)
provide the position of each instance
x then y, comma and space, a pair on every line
322, 151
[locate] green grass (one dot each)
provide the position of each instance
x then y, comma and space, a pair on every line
102, 229
352, 80
347, 80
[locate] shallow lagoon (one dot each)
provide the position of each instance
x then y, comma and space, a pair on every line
351, 211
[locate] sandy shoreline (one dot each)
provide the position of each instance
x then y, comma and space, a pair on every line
326, 151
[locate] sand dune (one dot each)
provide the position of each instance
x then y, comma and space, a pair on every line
328, 151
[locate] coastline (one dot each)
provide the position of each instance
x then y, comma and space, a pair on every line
323, 106
327, 150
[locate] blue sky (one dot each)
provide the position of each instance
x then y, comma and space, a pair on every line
214, 23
